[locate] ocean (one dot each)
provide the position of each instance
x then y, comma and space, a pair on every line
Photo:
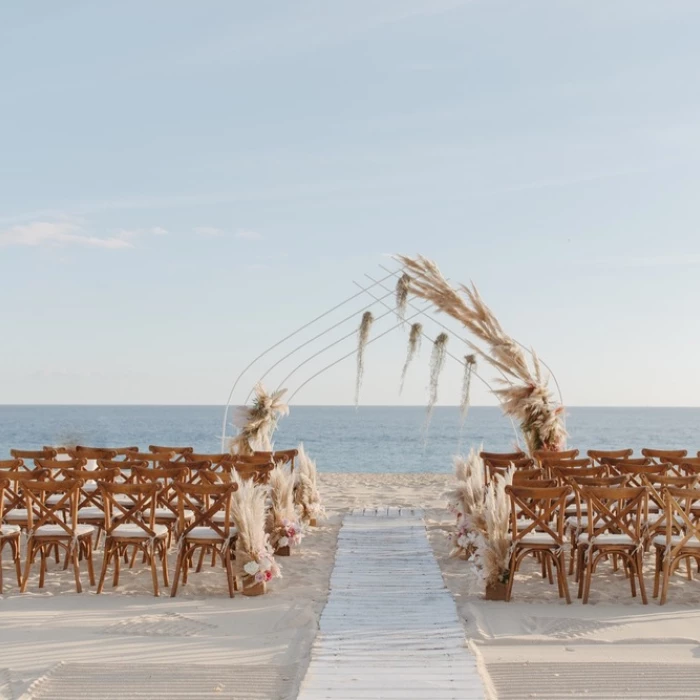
342, 438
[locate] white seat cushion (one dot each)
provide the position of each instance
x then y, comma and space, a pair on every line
58, 531
206, 533
7, 530
571, 510
692, 543
607, 538
133, 530
90, 487
169, 514
537, 538
577, 522
91, 512
56, 498
16, 514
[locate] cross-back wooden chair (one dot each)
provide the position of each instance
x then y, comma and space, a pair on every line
205, 531
32, 455
151, 458
215, 459
635, 473
278, 456
258, 472
543, 535
178, 452
11, 464
570, 463
660, 456
133, 525
508, 456
689, 465
520, 463
166, 497
10, 536
195, 469
597, 455
15, 503
612, 462
46, 528
679, 542
657, 520
494, 470
543, 456
614, 528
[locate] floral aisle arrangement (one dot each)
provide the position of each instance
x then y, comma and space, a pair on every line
255, 562
492, 549
306, 495
524, 394
466, 501
286, 531
257, 423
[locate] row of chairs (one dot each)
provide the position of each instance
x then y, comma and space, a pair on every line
139, 500
609, 506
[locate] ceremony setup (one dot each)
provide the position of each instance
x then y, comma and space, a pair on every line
359, 585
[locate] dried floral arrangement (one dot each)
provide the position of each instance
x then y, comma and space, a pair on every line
525, 395
306, 495
492, 547
402, 287
437, 362
255, 561
257, 423
466, 501
362, 338
282, 520
414, 338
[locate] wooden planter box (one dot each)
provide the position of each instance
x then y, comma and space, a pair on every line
252, 587
283, 551
496, 591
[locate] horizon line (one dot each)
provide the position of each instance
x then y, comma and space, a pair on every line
222, 406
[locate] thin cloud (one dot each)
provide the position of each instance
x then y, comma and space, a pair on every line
208, 231
46, 233
249, 235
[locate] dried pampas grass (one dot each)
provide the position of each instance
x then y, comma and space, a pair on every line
525, 395
466, 501
306, 495
469, 365
257, 423
437, 362
254, 554
414, 338
402, 287
283, 525
362, 338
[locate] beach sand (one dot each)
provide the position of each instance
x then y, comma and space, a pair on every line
55, 641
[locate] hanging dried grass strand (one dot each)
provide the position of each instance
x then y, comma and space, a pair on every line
437, 362
469, 365
362, 338
414, 339
402, 287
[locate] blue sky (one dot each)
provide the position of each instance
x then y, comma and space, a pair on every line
182, 184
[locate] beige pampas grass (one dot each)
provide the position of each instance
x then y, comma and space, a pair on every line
437, 362
306, 495
492, 557
402, 287
362, 338
254, 554
466, 501
283, 525
414, 340
525, 395
469, 365
257, 423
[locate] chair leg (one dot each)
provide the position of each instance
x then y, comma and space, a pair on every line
181, 555
164, 563
18, 563
105, 564
87, 543
154, 573
560, 562
42, 567
588, 575
511, 576
117, 564
639, 559
76, 569
229, 574
657, 570
27, 565
665, 580
629, 565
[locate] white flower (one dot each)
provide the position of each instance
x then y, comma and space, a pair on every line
463, 541
251, 568
283, 541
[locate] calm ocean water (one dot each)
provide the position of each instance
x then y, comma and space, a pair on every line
342, 439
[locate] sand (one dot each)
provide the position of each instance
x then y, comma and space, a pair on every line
54, 641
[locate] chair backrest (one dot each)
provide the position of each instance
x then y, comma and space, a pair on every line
167, 476
521, 463
283, 456
628, 461
205, 501
46, 453
150, 457
12, 464
41, 510
563, 474
597, 455
15, 479
518, 474
57, 466
660, 455
690, 465
179, 452
136, 508
543, 507
92, 452
679, 508
194, 469
635, 473
619, 510
508, 456
257, 471
213, 458
542, 456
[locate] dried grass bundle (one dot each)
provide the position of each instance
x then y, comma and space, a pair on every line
466, 501
437, 362
469, 365
306, 495
414, 339
283, 524
402, 287
492, 556
525, 396
257, 423
362, 338
254, 553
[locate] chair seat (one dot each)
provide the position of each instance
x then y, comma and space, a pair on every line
131, 530
577, 522
537, 538
16, 514
167, 513
571, 510
90, 512
9, 530
660, 541
56, 498
206, 533
90, 487
608, 538
220, 517
58, 531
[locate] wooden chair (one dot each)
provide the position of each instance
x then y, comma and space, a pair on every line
597, 455
542, 456
677, 544
635, 473
661, 455
152, 458
689, 465
259, 472
15, 504
205, 531
133, 525
179, 452
521, 463
508, 456
9, 535
614, 528
283, 456
612, 462
494, 470
214, 458
46, 528
46, 453
543, 535
11, 464
657, 520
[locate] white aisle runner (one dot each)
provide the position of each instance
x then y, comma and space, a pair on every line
390, 627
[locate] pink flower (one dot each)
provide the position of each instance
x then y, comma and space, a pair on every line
268, 576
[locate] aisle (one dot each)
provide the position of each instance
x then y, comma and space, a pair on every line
390, 628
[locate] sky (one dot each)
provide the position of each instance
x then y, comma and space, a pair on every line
182, 185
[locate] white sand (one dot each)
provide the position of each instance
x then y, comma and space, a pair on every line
268, 639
